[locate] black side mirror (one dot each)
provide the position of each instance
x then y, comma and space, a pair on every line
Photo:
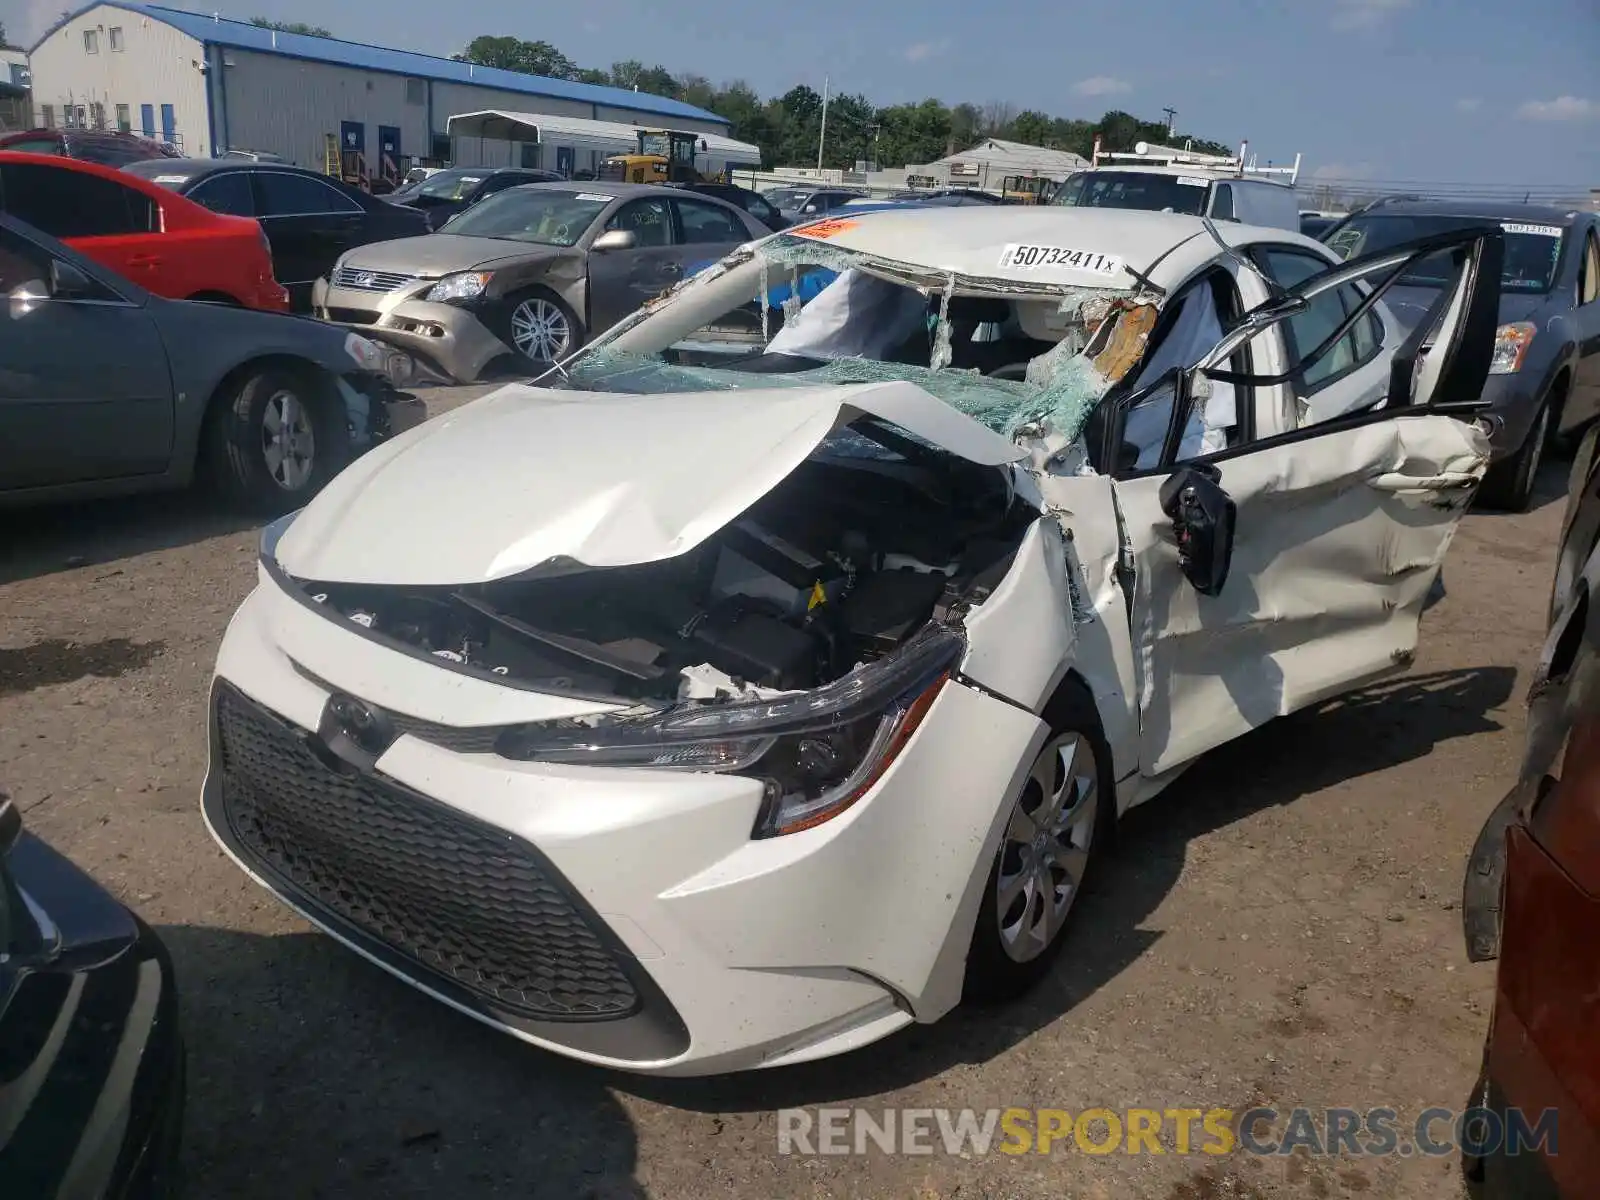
67, 282
1203, 517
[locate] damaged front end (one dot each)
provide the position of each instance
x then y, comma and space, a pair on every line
800, 643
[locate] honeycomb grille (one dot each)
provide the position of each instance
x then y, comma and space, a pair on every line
458, 899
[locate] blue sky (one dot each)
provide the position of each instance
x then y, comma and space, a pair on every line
1426, 90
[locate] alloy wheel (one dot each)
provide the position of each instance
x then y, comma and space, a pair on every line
1045, 848
288, 443
540, 330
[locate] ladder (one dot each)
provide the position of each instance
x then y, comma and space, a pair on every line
331, 164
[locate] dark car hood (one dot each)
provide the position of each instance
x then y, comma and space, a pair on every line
240, 334
1410, 304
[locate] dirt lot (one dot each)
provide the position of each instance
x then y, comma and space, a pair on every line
1281, 928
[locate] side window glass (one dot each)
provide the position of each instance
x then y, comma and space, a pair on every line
1589, 284
708, 224
286, 195
1305, 332
647, 220
228, 193
22, 265
75, 204
1191, 327
1222, 203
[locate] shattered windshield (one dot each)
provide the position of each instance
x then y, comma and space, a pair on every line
796, 311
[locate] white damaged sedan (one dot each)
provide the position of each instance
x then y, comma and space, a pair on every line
773, 673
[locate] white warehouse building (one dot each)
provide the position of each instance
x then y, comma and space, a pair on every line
206, 84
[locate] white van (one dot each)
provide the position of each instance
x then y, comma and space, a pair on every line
1161, 179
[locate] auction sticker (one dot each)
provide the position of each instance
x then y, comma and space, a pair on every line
595, 196
1032, 258
1554, 231
1193, 181
831, 227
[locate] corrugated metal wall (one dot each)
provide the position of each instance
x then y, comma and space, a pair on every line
156, 65
288, 107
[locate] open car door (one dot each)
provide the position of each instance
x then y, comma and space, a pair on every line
1281, 571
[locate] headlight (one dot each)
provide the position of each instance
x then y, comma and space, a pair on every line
815, 752
1511, 344
452, 289
368, 355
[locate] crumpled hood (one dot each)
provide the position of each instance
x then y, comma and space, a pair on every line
437, 254
530, 474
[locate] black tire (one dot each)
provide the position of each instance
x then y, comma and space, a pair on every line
1509, 484
536, 303
239, 439
995, 973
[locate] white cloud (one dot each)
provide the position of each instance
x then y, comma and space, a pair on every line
1102, 85
1365, 14
1468, 104
1343, 171
922, 51
1562, 108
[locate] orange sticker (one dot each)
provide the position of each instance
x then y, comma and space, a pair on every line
826, 228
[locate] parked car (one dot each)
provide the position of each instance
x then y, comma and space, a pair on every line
749, 688
93, 1052
1183, 189
807, 203
531, 271
1545, 382
108, 389
445, 193
163, 243
110, 148
1531, 898
309, 218
265, 156
753, 203
952, 196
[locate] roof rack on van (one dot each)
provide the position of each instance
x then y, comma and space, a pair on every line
1147, 154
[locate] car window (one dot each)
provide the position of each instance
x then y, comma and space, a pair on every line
545, 217
499, 183
284, 195
708, 223
1190, 327
227, 193
1222, 202
1589, 282
75, 204
647, 220
1326, 313
759, 208
22, 264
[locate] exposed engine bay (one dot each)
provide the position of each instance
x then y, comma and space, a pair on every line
870, 538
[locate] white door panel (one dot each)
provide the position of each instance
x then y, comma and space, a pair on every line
1337, 542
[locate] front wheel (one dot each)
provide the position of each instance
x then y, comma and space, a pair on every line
276, 437
1059, 827
539, 327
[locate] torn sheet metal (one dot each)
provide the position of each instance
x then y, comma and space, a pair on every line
1339, 541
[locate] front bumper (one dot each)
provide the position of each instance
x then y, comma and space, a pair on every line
670, 942
448, 336
1513, 402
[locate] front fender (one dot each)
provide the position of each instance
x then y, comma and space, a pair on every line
1484, 882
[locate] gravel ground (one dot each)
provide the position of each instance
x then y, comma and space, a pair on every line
1281, 927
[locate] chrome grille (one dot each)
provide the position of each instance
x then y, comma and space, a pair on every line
362, 280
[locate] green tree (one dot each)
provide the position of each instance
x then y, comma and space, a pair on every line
299, 27
513, 54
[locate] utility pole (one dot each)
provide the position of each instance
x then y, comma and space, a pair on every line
1172, 121
822, 134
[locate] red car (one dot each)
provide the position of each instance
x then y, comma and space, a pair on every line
1532, 899
146, 233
